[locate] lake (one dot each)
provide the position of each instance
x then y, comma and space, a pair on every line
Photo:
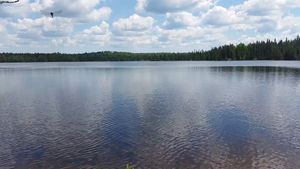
151, 114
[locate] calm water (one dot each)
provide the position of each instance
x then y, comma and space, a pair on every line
231, 115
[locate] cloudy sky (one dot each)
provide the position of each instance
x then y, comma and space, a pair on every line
143, 25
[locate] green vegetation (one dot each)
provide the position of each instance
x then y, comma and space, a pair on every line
129, 166
261, 50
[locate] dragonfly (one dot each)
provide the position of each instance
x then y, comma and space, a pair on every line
9, 2
51, 13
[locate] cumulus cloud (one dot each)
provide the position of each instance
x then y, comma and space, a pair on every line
96, 35
2, 28
80, 10
156, 25
41, 28
28, 23
266, 16
99, 14
265, 25
266, 7
101, 29
219, 16
134, 31
190, 38
180, 20
133, 23
20, 9
289, 26
71, 8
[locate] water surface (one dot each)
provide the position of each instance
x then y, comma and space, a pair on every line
152, 114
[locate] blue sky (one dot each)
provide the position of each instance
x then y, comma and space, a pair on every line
143, 25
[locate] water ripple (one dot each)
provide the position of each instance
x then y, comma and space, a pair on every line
192, 117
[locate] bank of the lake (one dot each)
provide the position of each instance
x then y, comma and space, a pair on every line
262, 50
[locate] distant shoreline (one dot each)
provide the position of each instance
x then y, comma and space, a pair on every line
260, 50
106, 61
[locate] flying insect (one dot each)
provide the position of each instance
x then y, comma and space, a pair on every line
9, 2
52, 14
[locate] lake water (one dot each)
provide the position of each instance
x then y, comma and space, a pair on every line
229, 115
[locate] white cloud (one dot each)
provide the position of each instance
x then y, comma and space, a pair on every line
43, 27
266, 7
134, 23
97, 14
2, 28
134, 31
265, 25
71, 8
266, 16
180, 20
20, 9
290, 25
78, 10
191, 37
101, 29
25, 25
98, 35
261, 7
219, 16
160, 25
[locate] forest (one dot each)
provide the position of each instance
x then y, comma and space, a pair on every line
260, 50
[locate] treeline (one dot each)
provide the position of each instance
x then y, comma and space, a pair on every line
260, 50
